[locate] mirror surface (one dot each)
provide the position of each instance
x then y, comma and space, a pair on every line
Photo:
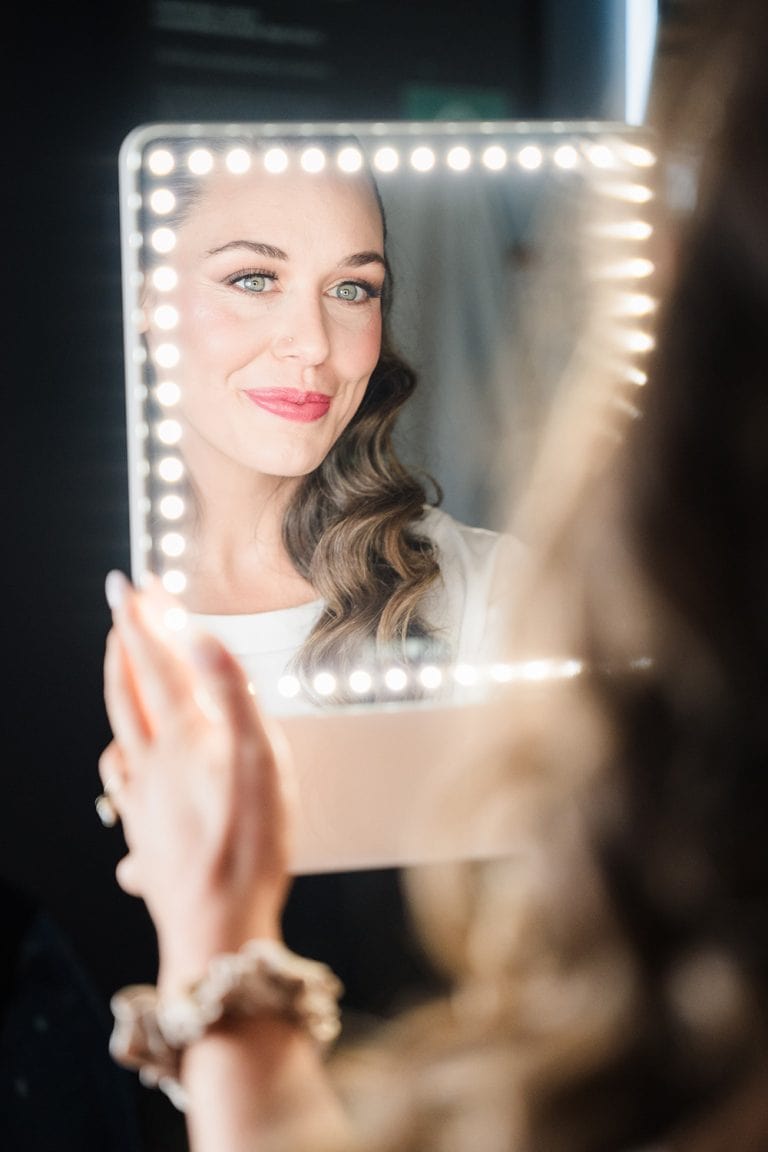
256, 276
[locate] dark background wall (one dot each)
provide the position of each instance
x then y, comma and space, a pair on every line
80, 76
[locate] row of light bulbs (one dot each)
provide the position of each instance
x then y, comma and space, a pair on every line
432, 677
421, 157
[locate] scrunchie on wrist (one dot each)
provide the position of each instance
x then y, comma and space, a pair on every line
150, 1033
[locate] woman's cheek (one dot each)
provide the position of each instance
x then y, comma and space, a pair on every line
221, 335
365, 346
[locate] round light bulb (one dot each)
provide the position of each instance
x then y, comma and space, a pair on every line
173, 544
238, 161
175, 619
164, 278
324, 683
167, 355
168, 393
530, 157
639, 156
174, 581
276, 160
350, 159
163, 240
169, 431
313, 160
640, 268
288, 686
566, 156
165, 317
200, 161
162, 201
386, 159
459, 158
360, 681
635, 304
172, 507
395, 679
170, 468
422, 159
494, 158
430, 677
160, 162
601, 156
640, 342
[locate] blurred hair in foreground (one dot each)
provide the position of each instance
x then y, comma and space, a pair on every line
612, 975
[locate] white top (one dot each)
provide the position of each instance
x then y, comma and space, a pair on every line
463, 609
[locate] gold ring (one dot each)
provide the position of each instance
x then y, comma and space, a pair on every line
105, 804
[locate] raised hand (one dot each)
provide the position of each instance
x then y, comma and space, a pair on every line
200, 783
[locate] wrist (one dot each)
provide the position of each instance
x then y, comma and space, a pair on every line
184, 959
154, 1027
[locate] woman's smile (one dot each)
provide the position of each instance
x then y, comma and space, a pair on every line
291, 403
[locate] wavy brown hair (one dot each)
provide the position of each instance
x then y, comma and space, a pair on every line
351, 531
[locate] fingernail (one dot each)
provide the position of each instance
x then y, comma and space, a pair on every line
115, 587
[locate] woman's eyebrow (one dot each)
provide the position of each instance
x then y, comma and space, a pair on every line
358, 259
355, 260
252, 246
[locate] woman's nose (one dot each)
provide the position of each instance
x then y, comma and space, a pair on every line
302, 334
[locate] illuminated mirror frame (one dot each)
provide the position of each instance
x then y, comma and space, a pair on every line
616, 156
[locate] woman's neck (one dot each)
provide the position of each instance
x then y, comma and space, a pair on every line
237, 561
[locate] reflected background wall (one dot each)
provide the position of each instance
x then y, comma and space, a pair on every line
82, 76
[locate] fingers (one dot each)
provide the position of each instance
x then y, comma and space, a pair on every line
130, 725
148, 676
111, 767
111, 772
150, 681
127, 875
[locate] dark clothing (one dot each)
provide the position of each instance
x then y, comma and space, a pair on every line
60, 1090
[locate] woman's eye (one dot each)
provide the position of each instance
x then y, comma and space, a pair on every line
353, 293
256, 282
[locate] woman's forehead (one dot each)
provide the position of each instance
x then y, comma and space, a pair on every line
339, 207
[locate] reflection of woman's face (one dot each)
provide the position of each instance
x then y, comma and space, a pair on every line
280, 279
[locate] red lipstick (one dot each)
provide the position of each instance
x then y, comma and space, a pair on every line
290, 403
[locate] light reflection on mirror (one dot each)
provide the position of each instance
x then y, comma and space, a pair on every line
272, 332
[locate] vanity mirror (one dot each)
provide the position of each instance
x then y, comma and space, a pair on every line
274, 326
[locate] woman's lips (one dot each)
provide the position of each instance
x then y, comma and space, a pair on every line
290, 403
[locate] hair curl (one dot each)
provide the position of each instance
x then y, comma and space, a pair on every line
350, 531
